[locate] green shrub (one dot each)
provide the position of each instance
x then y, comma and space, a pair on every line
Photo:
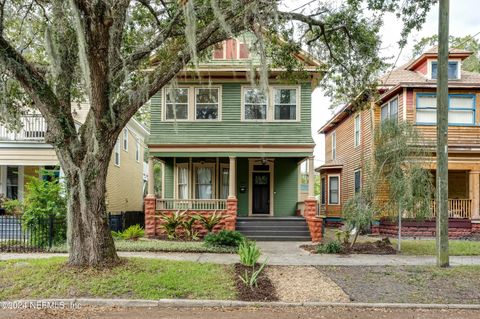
210, 221
12, 206
249, 253
250, 278
172, 222
117, 234
332, 247
189, 227
44, 199
133, 232
224, 238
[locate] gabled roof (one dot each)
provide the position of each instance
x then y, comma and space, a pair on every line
433, 52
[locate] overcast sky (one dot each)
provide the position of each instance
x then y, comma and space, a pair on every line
464, 20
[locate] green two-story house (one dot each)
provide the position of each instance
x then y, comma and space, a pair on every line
228, 145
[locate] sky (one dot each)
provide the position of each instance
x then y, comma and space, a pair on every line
464, 20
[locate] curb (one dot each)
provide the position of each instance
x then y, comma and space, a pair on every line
180, 303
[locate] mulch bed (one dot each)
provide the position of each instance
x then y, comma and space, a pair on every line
379, 247
264, 291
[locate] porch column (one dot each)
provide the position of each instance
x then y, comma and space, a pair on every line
232, 177
474, 190
311, 178
151, 178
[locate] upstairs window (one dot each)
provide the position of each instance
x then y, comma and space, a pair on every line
231, 49
452, 70
255, 104
357, 130
206, 103
389, 110
176, 104
125, 139
285, 104
117, 153
334, 145
461, 109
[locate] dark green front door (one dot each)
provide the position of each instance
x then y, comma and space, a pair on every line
261, 193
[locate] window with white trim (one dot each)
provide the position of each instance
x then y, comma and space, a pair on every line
117, 153
206, 103
204, 175
357, 130
453, 68
357, 181
182, 181
333, 190
285, 103
125, 139
389, 110
137, 150
334, 145
176, 104
461, 109
255, 104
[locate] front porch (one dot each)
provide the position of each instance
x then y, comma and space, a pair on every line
247, 187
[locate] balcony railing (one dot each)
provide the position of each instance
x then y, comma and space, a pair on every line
457, 208
33, 129
191, 204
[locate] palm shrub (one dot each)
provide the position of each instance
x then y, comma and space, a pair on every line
133, 232
172, 222
224, 238
189, 227
210, 221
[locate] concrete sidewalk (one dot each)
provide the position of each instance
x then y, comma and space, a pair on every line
280, 253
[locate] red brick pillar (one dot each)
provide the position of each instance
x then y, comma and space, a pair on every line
314, 222
475, 226
150, 202
231, 219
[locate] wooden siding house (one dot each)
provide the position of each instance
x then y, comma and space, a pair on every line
408, 94
226, 145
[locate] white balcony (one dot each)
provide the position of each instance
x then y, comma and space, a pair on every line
33, 129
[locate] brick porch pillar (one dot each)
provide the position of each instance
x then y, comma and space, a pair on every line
150, 203
231, 219
314, 222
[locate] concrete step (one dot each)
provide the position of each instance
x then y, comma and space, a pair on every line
271, 228
274, 229
304, 233
279, 238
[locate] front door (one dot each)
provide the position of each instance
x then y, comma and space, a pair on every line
261, 193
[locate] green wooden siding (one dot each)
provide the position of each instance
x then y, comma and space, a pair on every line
168, 176
242, 179
285, 186
231, 130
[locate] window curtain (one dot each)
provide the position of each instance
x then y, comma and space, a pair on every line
183, 183
204, 183
225, 182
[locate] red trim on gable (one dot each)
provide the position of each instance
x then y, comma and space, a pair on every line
422, 68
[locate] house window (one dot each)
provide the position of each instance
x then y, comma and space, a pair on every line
137, 150
225, 180
389, 110
323, 191
206, 103
50, 173
334, 145
333, 190
182, 177
357, 181
452, 70
204, 177
125, 139
176, 106
12, 182
461, 109
255, 104
117, 153
357, 130
285, 104
231, 49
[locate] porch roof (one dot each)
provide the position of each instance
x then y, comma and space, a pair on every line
227, 154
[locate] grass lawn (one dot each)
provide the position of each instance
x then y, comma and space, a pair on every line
427, 247
136, 278
408, 284
160, 246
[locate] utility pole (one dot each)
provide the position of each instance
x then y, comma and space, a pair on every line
442, 136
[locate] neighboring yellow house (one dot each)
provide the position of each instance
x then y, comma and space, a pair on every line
25, 153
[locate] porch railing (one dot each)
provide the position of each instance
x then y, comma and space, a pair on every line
193, 204
33, 129
457, 208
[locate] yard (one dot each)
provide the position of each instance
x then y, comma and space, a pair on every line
133, 279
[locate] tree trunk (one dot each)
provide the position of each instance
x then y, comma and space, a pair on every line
89, 237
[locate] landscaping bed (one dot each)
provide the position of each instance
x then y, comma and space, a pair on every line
263, 291
408, 284
379, 247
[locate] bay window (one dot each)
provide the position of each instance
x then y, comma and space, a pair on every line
389, 110
333, 190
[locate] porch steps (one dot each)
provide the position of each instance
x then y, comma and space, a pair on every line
274, 228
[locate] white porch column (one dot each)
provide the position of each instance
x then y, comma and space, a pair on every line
311, 178
474, 190
151, 179
232, 177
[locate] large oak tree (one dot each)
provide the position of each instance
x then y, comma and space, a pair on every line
116, 54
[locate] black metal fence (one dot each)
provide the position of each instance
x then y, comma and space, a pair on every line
120, 222
17, 234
